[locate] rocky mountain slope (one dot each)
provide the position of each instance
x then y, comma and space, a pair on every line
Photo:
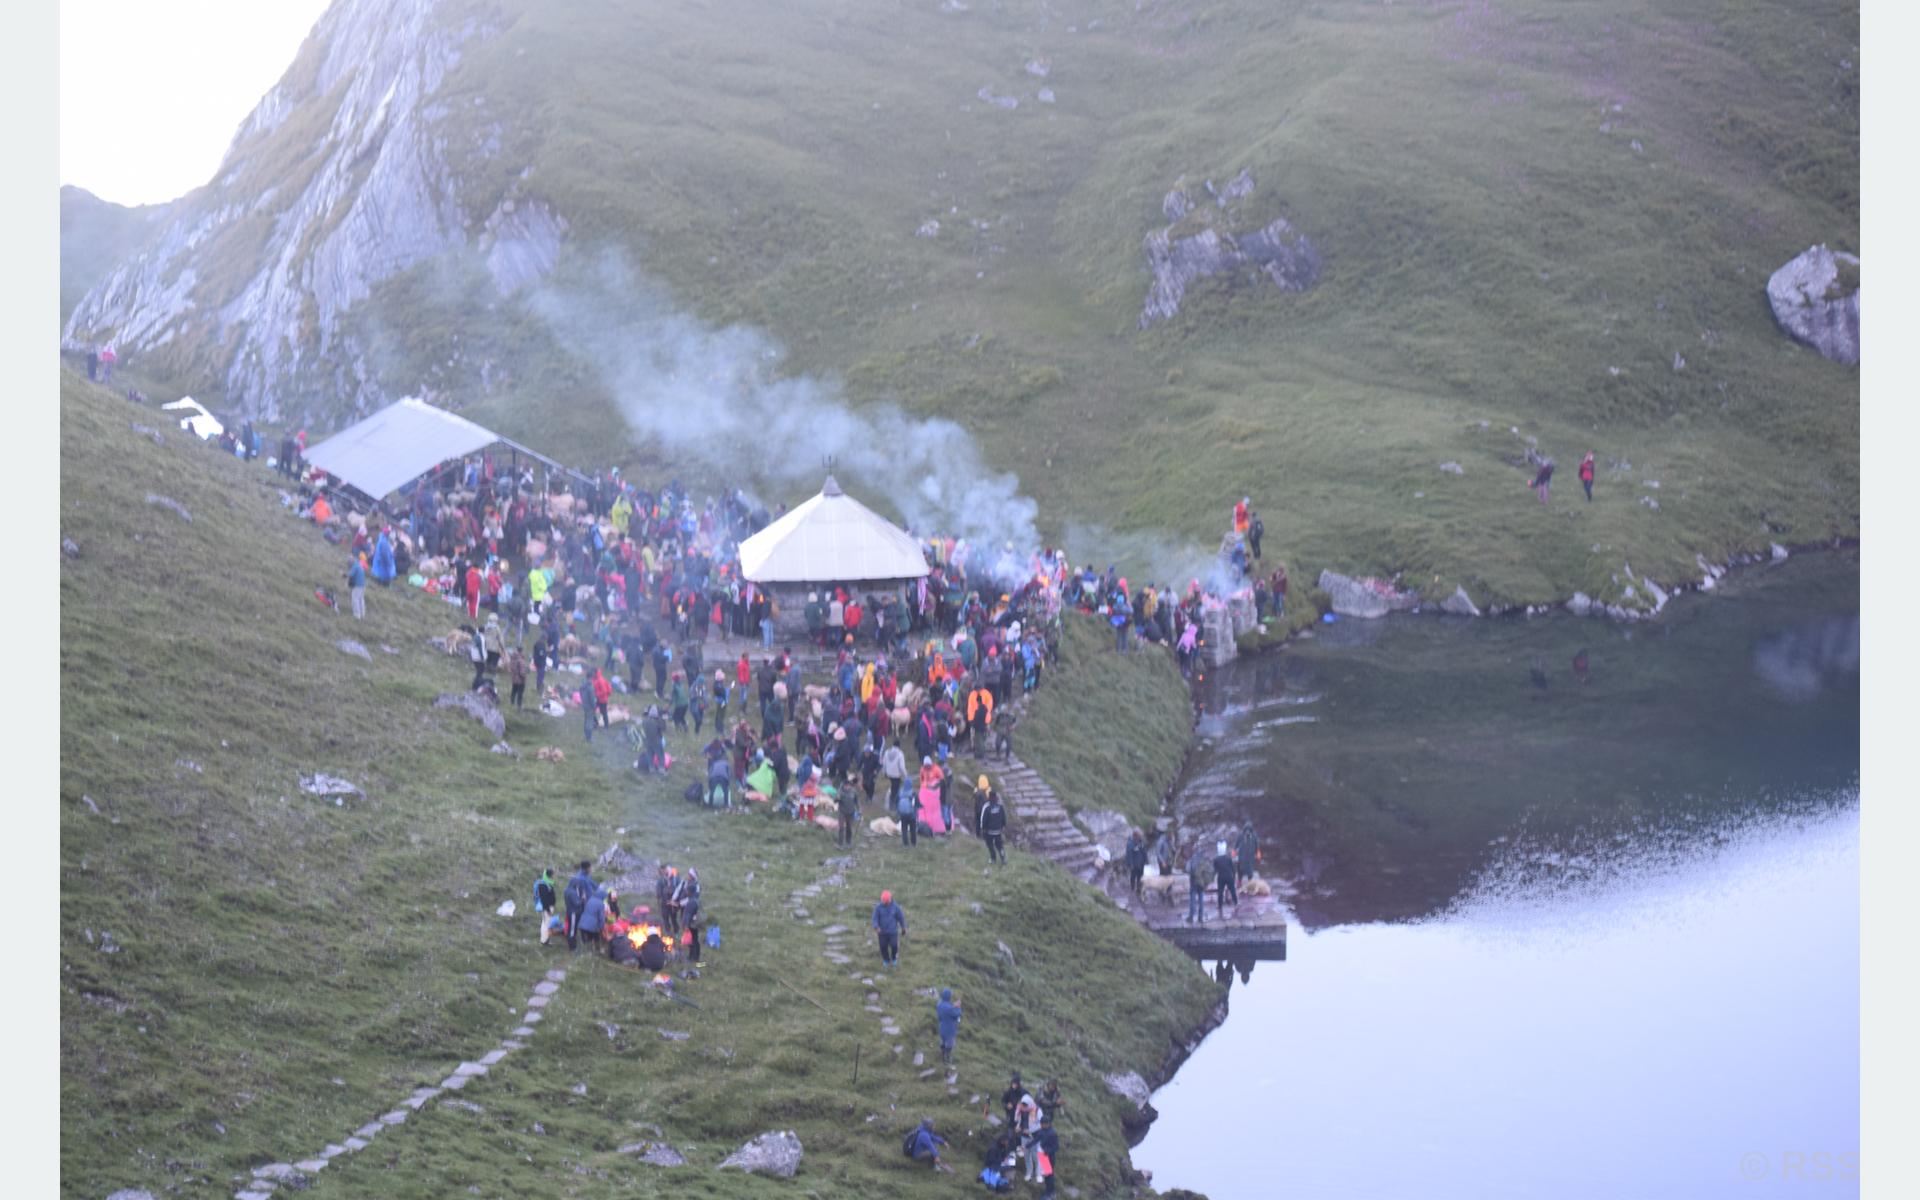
1153, 254
95, 237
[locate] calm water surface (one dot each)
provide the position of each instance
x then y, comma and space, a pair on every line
1590, 938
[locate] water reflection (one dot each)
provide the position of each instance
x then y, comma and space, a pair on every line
1682, 1024
1575, 906
1384, 762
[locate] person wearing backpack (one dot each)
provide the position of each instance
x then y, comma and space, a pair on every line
578, 894
594, 919
906, 809
544, 901
922, 1144
993, 825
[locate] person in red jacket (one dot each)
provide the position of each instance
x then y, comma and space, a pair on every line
473, 592
602, 693
743, 671
1586, 475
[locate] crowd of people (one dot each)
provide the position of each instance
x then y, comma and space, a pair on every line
634, 587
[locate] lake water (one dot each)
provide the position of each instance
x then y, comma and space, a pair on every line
1552, 937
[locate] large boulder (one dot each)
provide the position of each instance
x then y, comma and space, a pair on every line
1460, 604
1368, 598
770, 1153
1216, 243
1816, 306
476, 706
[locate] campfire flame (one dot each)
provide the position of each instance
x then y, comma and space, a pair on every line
638, 934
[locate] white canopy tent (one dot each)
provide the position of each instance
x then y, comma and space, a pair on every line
192, 415
402, 442
831, 538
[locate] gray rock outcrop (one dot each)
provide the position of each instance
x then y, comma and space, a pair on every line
1276, 250
1814, 307
322, 784
770, 1154
1460, 604
381, 191
1355, 598
1130, 1086
477, 707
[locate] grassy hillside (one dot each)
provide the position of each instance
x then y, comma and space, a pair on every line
1530, 211
286, 970
1108, 732
95, 235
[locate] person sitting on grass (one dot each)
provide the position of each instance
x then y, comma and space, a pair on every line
923, 1145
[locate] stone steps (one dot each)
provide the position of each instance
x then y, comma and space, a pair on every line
296, 1175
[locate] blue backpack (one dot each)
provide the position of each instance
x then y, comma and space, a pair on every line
713, 936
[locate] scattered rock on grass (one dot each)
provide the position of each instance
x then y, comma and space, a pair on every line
476, 707
321, 784
349, 646
657, 1154
69, 547
770, 1153
170, 504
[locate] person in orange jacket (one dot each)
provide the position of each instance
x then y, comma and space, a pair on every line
979, 712
473, 592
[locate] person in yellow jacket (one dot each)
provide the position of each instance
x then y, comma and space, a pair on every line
867, 685
539, 583
621, 513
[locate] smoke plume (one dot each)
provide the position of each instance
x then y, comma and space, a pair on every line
715, 396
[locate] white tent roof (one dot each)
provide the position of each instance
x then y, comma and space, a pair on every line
203, 423
400, 443
831, 538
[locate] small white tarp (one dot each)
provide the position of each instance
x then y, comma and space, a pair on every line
831, 538
398, 444
193, 416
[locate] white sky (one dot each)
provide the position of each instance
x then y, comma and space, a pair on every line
151, 91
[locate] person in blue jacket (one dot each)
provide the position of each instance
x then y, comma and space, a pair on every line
594, 919
948, 1014
1046, 1150
578, 894
923, 1145
890, 922
357, 587
383, 569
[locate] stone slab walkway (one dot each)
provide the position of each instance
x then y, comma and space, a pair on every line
297, 1175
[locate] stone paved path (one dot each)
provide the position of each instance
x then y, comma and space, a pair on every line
294, 1176
1035, 817
839, 951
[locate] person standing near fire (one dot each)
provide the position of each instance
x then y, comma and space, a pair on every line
578, 894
